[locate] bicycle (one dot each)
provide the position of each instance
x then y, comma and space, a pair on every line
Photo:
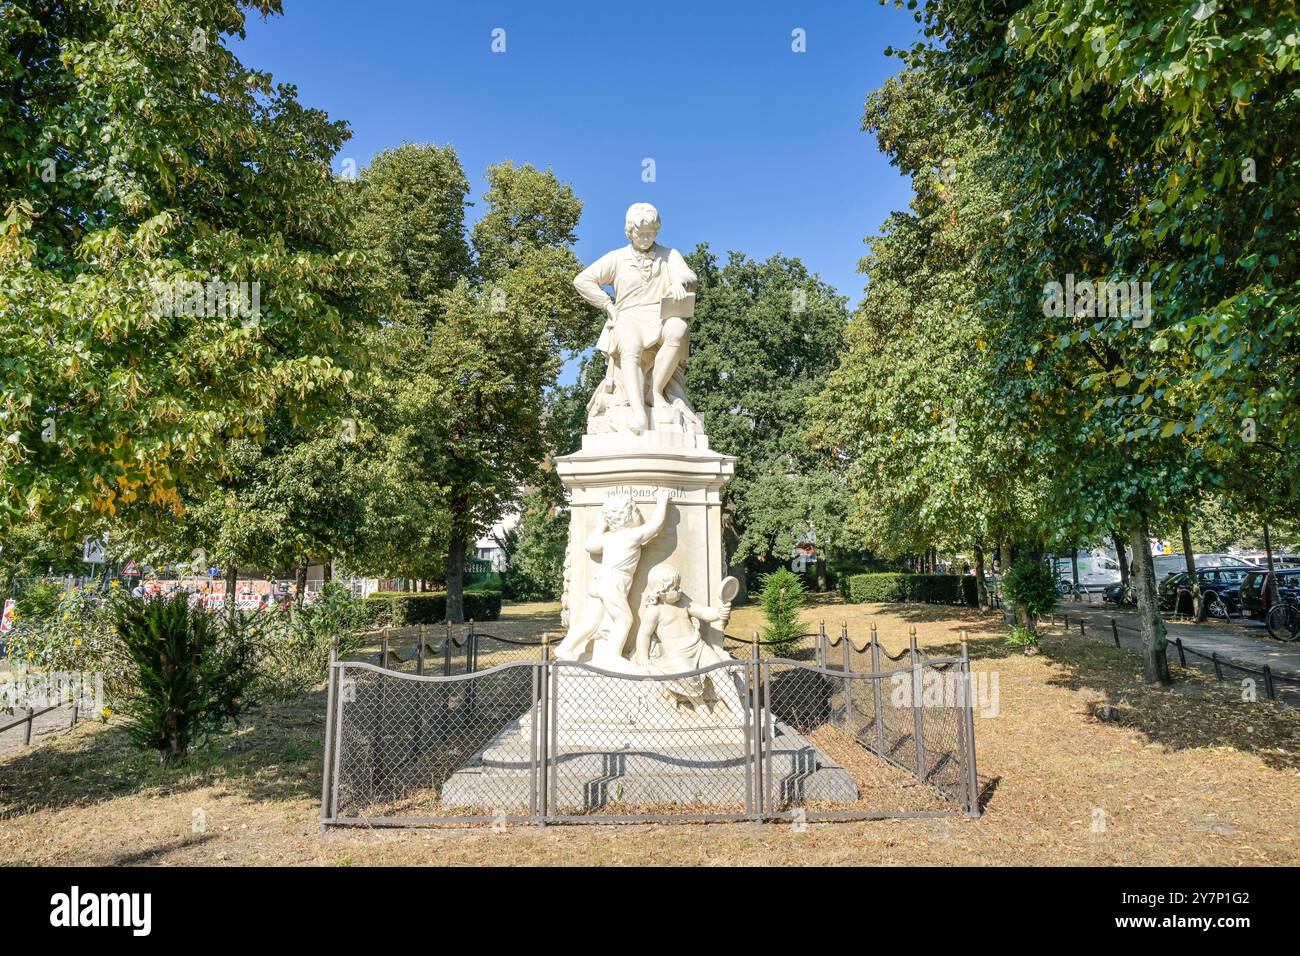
1283, 619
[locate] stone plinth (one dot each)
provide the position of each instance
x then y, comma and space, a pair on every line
640, 465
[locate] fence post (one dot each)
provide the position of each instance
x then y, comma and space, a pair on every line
1182, 654
848, 669
471, 665
419, 654
383, 649
879, 704
756, 720
446, 653
1268, 683
968, 718
918, 724
1114, 629
27, 733
821, 644
1080, 627
1218, 670
542, 727
329, 743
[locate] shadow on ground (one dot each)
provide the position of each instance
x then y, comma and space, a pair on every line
273, 754
1196, 712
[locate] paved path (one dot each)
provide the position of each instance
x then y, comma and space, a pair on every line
1247, 643
54, 722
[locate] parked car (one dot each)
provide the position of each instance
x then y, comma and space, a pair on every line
1220, 590
1254, 588
1167, 564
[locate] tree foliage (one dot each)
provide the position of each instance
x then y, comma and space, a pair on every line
137, 152
764, 337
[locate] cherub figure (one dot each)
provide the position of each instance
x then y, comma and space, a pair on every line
617, 539
675, 627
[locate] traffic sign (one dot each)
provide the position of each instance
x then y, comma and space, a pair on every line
93, 550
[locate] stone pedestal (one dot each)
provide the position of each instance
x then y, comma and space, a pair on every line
639, 465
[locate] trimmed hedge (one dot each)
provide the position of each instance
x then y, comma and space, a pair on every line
402, 609
886, 587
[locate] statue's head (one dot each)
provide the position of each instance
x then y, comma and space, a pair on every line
641, 225
662, 585
620, 512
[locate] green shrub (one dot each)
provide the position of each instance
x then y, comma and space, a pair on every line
483, 606
404, 609
76, 636
192, 670
876, 588
296, 642
1030, 587
485, 583
536, 570
783, 596
39, 599
935, 588
888, 586
1021, 637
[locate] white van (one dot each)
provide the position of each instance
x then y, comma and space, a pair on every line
1096, 572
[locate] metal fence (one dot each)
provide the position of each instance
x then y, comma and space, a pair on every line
1277, 685
537, 740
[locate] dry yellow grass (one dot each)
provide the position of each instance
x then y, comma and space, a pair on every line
1192, 775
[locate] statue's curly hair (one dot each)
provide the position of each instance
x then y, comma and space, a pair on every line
661, 579
619, 511
640, 214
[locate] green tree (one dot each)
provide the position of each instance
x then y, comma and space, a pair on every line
537, 546
763, 339
1132, 137
783, 597
478, 335
137, 152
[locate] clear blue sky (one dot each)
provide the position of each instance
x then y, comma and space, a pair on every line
757, 148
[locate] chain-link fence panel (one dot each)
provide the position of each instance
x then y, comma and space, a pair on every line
410, 748
642, 746
836, 745
547, 740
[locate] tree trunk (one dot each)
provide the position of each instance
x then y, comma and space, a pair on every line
1190, 560
1121, 558
1074, 570
232, 578
821, 574
456, 578
329, 570
1270, 581
981, 589
1155, 664
300, 584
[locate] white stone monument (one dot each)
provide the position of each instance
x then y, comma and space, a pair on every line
644, 585
644, 444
